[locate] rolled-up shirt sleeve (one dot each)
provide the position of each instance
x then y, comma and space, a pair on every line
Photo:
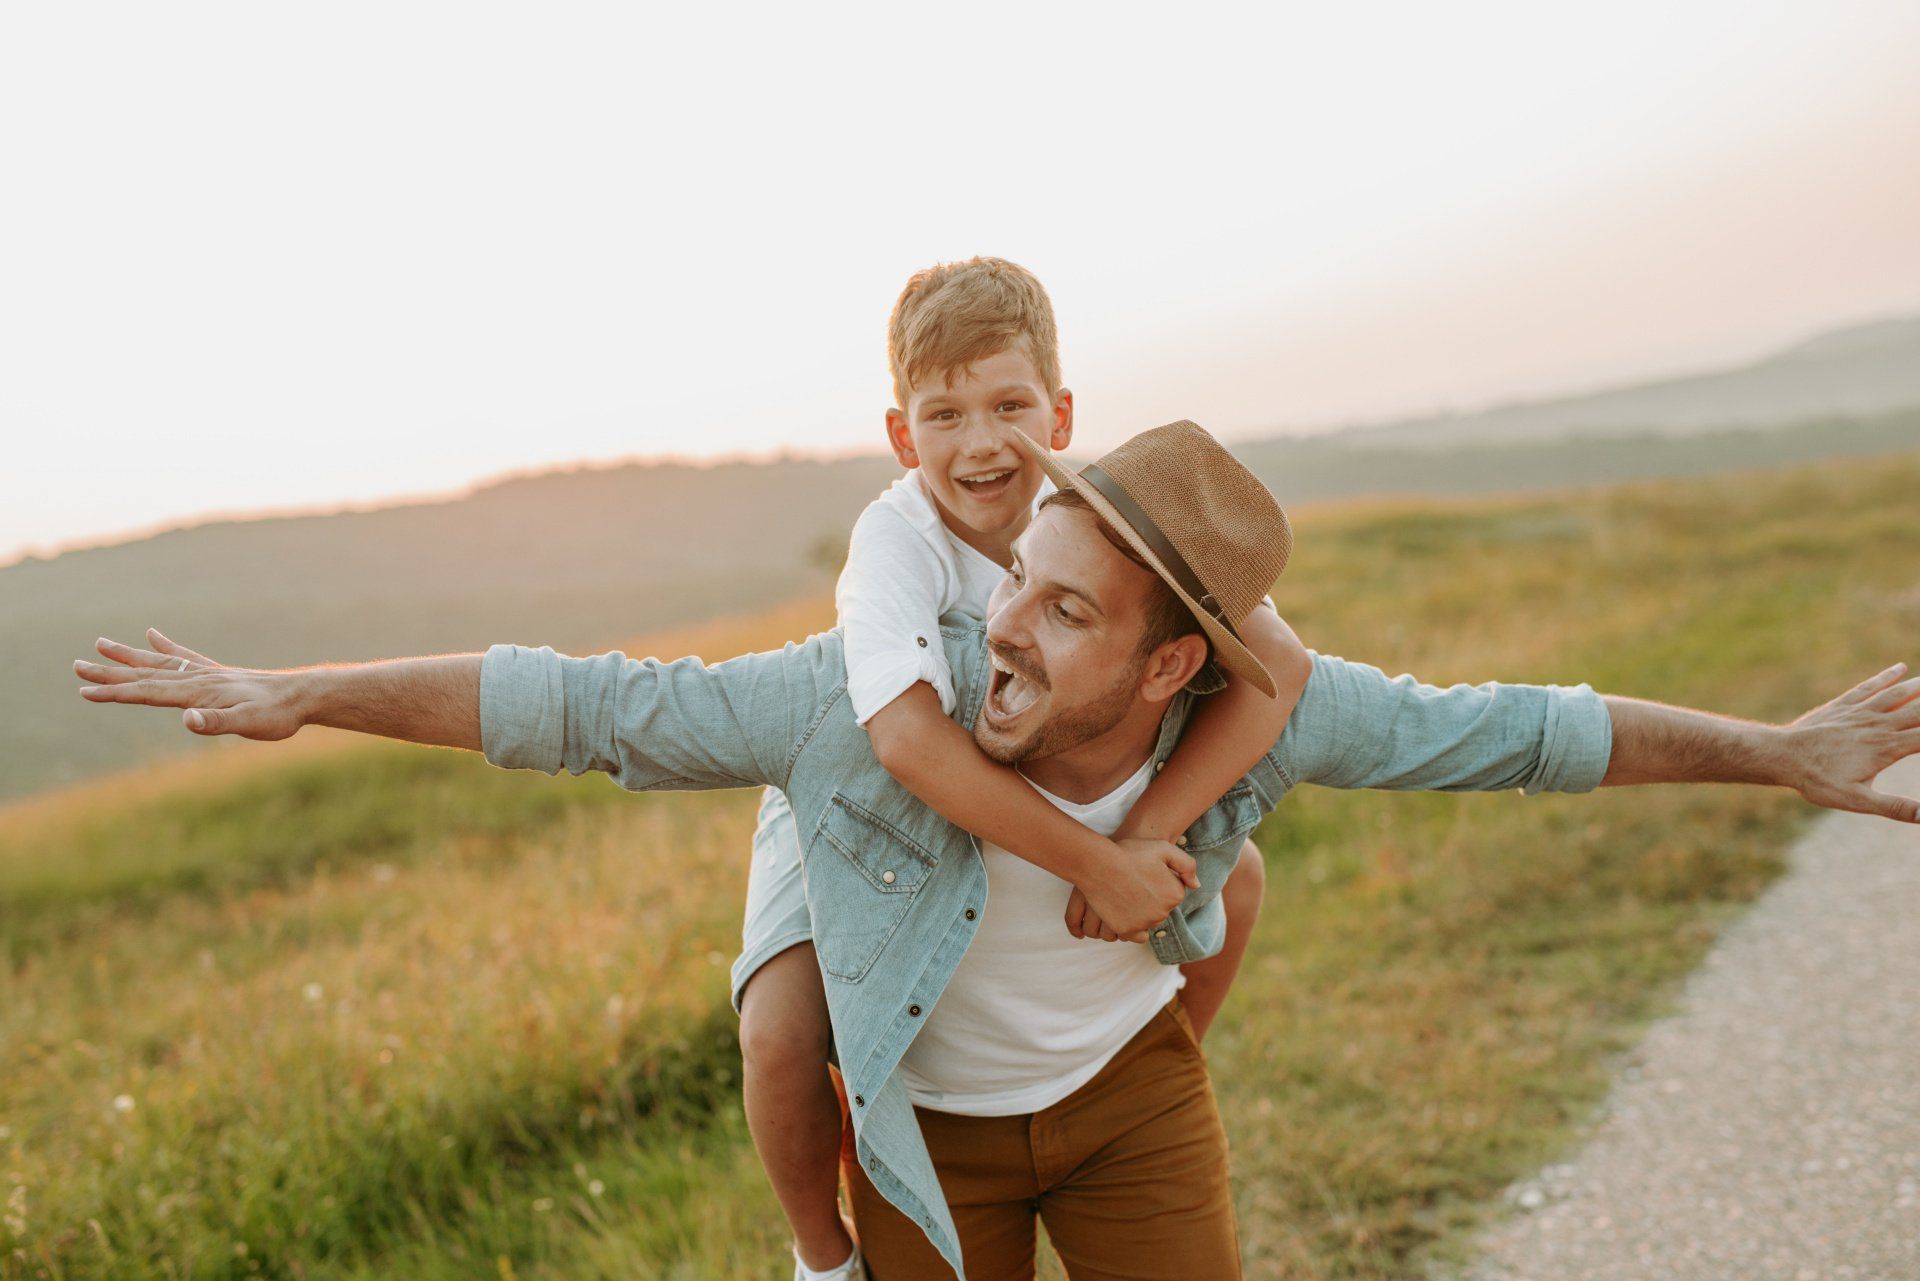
890, 597
648, 724
1355, 727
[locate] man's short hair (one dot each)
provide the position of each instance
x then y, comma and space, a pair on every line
1168, 618
955, 314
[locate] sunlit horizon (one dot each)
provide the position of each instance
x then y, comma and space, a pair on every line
265, 264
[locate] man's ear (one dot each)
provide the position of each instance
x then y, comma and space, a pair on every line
1062, 434
900, 439
1169, 668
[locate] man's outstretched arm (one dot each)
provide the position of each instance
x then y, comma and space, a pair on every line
649, 725
1830, 756
1354, 727
421, 700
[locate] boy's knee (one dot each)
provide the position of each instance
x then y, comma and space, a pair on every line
1247, 883
783, 1022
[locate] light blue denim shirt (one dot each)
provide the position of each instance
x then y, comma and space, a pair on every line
896, 891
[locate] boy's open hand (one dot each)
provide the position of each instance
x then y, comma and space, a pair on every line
1134, 892
218, 699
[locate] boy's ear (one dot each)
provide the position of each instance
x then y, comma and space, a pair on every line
1062, 421
900, 439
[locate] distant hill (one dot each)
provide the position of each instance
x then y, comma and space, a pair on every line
578, 559
582, 558
1860, 371
1318, 468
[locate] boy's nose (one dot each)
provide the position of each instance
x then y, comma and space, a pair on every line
983, 438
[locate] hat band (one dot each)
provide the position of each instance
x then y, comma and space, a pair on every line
1157, 543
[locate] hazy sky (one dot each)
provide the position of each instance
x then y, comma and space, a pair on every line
255, 256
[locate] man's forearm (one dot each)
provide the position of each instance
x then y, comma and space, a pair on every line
1655, 743
421, 700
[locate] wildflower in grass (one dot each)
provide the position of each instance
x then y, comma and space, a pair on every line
123, 1103
543, 1205
16, 1216
595, 1187
314, 993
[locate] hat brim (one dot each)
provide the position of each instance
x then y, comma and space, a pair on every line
1228, 649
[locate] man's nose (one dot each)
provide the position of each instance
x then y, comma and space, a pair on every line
1008, 624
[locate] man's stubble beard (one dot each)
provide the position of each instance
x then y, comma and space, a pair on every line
1065, 731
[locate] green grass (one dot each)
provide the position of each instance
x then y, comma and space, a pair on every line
388, 1012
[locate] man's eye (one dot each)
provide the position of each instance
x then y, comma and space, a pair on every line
1065, 616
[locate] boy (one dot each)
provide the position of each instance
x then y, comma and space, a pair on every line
975, 358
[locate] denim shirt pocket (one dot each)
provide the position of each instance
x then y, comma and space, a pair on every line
861, 881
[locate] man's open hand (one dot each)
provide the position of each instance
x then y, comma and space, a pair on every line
1134, 892
217, 699
1836, 750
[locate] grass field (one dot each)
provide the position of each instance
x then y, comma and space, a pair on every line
323, 1010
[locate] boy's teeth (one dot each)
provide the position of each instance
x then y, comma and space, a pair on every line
985, 480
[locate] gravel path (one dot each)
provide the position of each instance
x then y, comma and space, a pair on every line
1771, 1128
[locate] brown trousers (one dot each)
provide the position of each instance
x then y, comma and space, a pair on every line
1129, 1173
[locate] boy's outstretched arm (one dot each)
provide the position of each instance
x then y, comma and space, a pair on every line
1230, 731
930, 755
1831, 755
420, 700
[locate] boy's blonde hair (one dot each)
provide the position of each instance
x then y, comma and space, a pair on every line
956, 313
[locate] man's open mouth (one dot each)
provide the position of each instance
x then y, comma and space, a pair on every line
1008, 692
988, 484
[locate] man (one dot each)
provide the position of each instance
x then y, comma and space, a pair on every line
1129, 1168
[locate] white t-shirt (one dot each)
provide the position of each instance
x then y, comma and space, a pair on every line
905, 569
1033, 1013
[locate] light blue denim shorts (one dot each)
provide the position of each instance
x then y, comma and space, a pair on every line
777, 916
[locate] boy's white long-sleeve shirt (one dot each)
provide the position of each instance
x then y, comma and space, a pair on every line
905, 569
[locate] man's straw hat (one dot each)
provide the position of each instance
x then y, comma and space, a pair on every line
1197, 516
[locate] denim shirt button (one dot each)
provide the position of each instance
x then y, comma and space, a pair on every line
914, 1011
1158, 766
1159, 934
859, 1101
887, 876
922, 640
971, 914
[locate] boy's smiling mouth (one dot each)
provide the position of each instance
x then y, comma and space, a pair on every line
988, 484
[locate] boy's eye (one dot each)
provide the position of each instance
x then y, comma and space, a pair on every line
1012, 406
